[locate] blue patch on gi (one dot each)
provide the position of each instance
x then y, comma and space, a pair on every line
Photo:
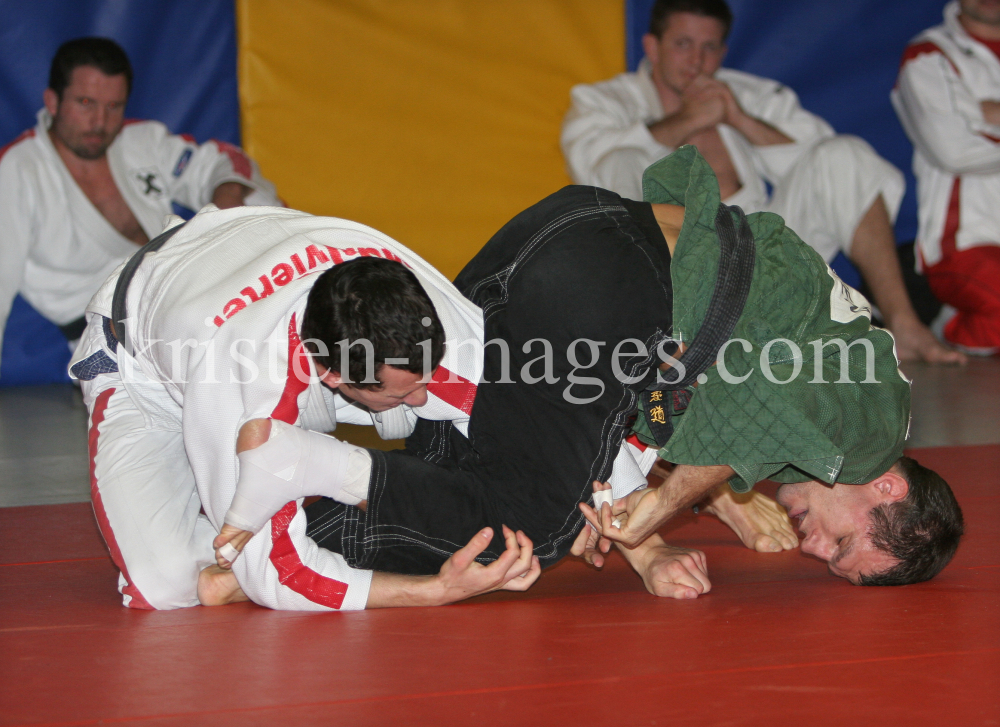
185, 213
98, 363
182, 162
94, 365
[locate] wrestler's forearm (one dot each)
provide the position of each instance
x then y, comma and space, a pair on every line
392, 590
759, 133
674, 130
686, 485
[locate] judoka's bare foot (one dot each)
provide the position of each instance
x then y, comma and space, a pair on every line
915, 342
668, 571
762, 524
218, 587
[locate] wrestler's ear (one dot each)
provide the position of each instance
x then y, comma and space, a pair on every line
891, 487
51, 99
331, 378
651, 47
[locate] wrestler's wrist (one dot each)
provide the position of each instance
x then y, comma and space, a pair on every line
432, 591
390, 590
740, 120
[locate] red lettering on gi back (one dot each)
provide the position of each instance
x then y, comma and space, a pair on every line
316, 260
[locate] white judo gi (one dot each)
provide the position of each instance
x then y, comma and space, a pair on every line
944, 76
822, 184
214, 318
56, 248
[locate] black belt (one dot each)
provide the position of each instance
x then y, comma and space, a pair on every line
119, 311
737, 254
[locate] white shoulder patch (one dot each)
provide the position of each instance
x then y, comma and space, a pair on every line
847, 304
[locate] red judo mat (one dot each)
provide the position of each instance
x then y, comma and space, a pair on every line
776, 642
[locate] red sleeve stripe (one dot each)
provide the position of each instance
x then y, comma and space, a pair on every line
994, 139
20, 137
100, 406
239, 160
952, 219
918, 49
452, 389
292, 572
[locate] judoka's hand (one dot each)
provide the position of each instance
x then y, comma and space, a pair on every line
734, 115
516, 569
703, 103
638, 517
649, 508
235, 537
589, 544
757, 131
230, 194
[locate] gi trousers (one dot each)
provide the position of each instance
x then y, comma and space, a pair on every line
561, 286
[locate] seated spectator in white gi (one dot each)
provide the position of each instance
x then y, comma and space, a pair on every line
834, 190
948, 99
84, 188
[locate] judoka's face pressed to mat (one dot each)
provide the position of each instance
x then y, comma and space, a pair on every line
835, 522
398, 387
691, 46
90, 113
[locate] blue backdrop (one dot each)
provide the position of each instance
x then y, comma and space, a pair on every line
840, 57
184, 56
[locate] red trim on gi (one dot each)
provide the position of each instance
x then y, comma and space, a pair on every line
919, 49
296, 380
636, 442
952, 219
452, 389
239, 160
291, 571
27, 134
138, 601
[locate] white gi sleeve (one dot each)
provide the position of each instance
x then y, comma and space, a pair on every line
16, 235
943, 119
197, 170
630, 469
605, 139
778, 105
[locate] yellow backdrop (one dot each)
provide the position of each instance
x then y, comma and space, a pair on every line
434, 121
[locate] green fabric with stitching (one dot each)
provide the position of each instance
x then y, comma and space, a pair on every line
847, 432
